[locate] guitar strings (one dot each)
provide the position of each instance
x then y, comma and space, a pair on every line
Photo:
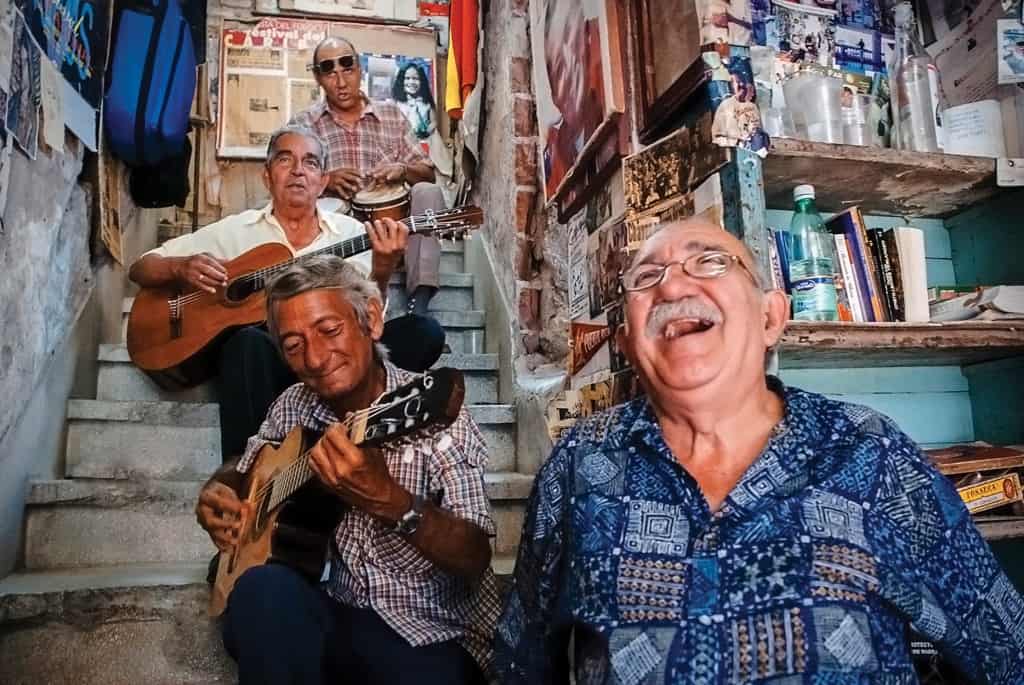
295, 469
449, 220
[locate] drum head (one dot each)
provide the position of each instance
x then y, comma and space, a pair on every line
380, 195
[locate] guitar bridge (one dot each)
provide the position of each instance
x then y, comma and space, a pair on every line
174, 305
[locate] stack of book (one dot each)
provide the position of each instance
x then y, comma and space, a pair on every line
880, 273
987, 304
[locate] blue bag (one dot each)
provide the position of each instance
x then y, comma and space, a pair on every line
151, 82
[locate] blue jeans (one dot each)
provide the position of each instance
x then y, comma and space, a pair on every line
282, 630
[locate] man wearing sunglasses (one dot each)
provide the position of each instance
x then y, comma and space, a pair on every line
727, 528
370, 144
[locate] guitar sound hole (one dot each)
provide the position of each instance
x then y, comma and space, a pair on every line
243, 287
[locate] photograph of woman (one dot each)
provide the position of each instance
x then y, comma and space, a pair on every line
411, 90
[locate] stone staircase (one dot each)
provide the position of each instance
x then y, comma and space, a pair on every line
113, 588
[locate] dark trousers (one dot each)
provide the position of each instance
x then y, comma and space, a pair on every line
283, 630
252, 372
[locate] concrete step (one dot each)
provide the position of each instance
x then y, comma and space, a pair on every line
120, 381
119, 626
79, 523
142, 440
508, 493
178, 441
72, 523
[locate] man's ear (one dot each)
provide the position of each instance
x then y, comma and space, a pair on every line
375, 312
776, 315
266, 176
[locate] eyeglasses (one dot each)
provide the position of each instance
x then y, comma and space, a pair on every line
709, 264
326, 66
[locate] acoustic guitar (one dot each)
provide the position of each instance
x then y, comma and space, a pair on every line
174, 336
289, 516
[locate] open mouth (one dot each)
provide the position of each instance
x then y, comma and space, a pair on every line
684, 327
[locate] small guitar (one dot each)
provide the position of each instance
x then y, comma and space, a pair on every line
173, 336
290, 517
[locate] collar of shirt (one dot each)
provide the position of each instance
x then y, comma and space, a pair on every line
267, 214
787, 456
321, 109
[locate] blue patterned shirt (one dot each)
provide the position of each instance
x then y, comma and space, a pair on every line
837, 540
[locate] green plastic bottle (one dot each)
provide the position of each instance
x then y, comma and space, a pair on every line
811, 275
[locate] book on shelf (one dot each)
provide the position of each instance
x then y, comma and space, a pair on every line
888, 266
850, 224
884, 273
848, 304
909, 244
780, 238
988, 304
775, 261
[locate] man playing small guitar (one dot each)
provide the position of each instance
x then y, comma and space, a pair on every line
408, 596
250, 372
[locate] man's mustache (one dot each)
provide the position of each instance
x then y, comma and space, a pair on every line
690, 307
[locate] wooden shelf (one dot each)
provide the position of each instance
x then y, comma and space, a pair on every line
811, 344
878, 180
1000, 527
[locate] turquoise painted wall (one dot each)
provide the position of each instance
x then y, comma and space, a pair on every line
932, 404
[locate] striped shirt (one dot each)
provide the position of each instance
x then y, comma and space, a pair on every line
381, 135
374, 567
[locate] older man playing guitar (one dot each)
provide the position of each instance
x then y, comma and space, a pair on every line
408, 596
250, 373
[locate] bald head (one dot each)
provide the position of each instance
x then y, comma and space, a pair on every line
698, 234
333, 42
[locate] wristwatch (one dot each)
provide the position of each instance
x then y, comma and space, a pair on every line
410, 520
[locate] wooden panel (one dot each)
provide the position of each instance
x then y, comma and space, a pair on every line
828, 344
880, 180
987, 242
743, 211
997, 395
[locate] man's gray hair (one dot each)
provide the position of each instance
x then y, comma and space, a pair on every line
324, 272
298, 130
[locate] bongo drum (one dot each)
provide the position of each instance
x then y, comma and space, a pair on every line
391, 202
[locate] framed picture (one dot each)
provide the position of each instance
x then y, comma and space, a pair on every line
666, 37
579, 84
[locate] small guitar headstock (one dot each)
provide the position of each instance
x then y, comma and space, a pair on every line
435, 398
451, 224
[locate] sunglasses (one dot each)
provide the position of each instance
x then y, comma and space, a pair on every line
326, 66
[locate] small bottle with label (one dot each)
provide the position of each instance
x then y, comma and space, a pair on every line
812, 278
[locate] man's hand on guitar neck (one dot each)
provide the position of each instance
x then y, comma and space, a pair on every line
358, 476
361, 478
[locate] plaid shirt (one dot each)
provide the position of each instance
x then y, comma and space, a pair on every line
374, 567
381, 135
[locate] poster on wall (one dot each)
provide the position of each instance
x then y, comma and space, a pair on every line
606, 254
22, 120
404, 10
578, 81
578, 280
73, 35
266, 77
1011, 51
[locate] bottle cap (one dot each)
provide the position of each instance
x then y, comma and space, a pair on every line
802, 192
903, 14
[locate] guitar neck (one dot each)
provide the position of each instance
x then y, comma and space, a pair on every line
287, 482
